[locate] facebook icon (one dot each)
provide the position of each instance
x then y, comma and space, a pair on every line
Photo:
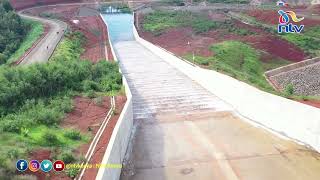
22, 165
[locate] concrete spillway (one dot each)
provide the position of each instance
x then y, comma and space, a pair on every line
185, 132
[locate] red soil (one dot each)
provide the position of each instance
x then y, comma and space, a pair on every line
181, 38
276, 47
314, 103
272, 17
86, 114
315, 9
102, 144
272, 45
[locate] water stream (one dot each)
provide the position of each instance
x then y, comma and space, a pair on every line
120, 26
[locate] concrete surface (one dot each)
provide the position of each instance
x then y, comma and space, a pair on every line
282, 116
121, 136
44, 49
176, 138
119, 141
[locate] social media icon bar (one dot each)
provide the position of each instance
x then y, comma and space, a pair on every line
34, 165
22, 165
46, 165
58, 165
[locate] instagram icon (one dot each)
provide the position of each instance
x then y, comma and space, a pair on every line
34, 165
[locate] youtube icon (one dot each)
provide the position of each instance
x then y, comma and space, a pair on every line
58, 165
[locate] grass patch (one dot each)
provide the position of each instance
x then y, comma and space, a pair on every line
159, 21
229, 1
47, 137
242, 62
237, 60
312, 32
32, 36
308, 44
274, 63
173, 2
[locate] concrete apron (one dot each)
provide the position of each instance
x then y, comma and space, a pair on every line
187, 141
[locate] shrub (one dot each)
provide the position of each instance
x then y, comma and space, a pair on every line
50, 139
174, 2
72, 172
11, 125
67, 157
73, 134
91, 85
63, 104
98, 101
48, 116
25, 132
289, 90
13, 154
90, 94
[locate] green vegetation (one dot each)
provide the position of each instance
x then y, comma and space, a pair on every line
309, 40
274, 63
173, 2
238, 60
36, 31
242, 62
124, 8
229, 1
224, 1
312, 32
159, 21
35, 98
12, 31
289, 90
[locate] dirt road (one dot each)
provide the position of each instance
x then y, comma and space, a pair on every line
46, 46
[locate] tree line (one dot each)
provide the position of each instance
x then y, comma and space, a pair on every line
12, 30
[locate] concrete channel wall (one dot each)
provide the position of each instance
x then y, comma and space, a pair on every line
120, 137
281, 116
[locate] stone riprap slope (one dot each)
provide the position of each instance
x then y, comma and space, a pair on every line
305, 80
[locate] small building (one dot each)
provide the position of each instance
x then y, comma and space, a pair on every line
281, 3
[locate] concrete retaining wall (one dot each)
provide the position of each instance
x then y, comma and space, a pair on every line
282, 116
120, 137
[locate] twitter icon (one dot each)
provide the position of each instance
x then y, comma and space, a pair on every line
46, 165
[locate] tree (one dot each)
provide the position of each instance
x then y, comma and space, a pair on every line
6, 5
12, 30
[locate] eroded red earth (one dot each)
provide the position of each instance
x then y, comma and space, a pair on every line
271, 17
87, 117
264, 41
